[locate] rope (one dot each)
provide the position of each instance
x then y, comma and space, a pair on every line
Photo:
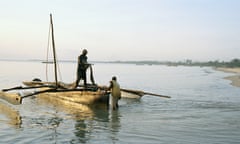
91, 75
58, 67
47, 58
48, 47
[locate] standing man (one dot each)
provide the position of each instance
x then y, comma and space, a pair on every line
115, 92
82, 68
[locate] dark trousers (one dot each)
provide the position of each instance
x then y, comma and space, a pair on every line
81, 74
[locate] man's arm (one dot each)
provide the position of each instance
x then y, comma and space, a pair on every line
111, 85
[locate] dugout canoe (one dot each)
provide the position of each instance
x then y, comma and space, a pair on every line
88, 95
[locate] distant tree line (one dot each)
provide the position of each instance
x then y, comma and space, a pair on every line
233, 63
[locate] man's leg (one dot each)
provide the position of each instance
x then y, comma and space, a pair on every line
84, 78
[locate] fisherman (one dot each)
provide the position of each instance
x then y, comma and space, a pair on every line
82, 68
115, 92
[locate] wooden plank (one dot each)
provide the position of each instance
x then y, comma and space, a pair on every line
29, 87
37, 83
49, 84
125, 94
12, 98
142, 93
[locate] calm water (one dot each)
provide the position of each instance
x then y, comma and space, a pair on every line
204, 108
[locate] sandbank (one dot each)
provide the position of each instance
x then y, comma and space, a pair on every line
235, 79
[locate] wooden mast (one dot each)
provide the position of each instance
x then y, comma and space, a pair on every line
54, 52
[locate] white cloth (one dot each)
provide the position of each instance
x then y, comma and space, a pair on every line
116, 94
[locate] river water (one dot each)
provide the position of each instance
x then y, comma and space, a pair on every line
204, 107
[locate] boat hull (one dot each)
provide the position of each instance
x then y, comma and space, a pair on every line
80, 97
89, 96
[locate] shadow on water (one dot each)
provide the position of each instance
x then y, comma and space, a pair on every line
13, 117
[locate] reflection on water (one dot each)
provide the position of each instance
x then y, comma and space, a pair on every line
53, 124
13, 117
82, 131
88, 119
103, 120
115, 125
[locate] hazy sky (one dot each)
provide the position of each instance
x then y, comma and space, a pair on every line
122, 29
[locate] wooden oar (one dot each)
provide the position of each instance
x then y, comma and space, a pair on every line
30, 87
158, 95
141, 93
39, 92
136, 92
14, 88
16, 98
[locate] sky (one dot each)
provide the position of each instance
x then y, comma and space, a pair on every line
162, 30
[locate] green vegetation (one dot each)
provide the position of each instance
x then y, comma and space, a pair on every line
233, 63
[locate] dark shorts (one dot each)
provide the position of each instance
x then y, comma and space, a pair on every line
81, 74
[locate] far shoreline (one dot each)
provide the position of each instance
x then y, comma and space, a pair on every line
235, 79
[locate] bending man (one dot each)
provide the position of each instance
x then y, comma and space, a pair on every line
115, 92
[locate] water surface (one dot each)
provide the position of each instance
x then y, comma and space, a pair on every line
204, 107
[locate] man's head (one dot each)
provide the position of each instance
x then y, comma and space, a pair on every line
84, 52
114, 78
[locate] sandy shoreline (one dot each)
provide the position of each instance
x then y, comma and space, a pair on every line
235, 79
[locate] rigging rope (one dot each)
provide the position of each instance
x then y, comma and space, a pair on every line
58, 67
47, 58
48, 45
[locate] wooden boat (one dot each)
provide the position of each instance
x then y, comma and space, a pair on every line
89, 95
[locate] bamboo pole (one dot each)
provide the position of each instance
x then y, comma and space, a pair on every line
141, 93
54, 52
31, 87
137, 92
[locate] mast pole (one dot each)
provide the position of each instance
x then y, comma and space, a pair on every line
54, 52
